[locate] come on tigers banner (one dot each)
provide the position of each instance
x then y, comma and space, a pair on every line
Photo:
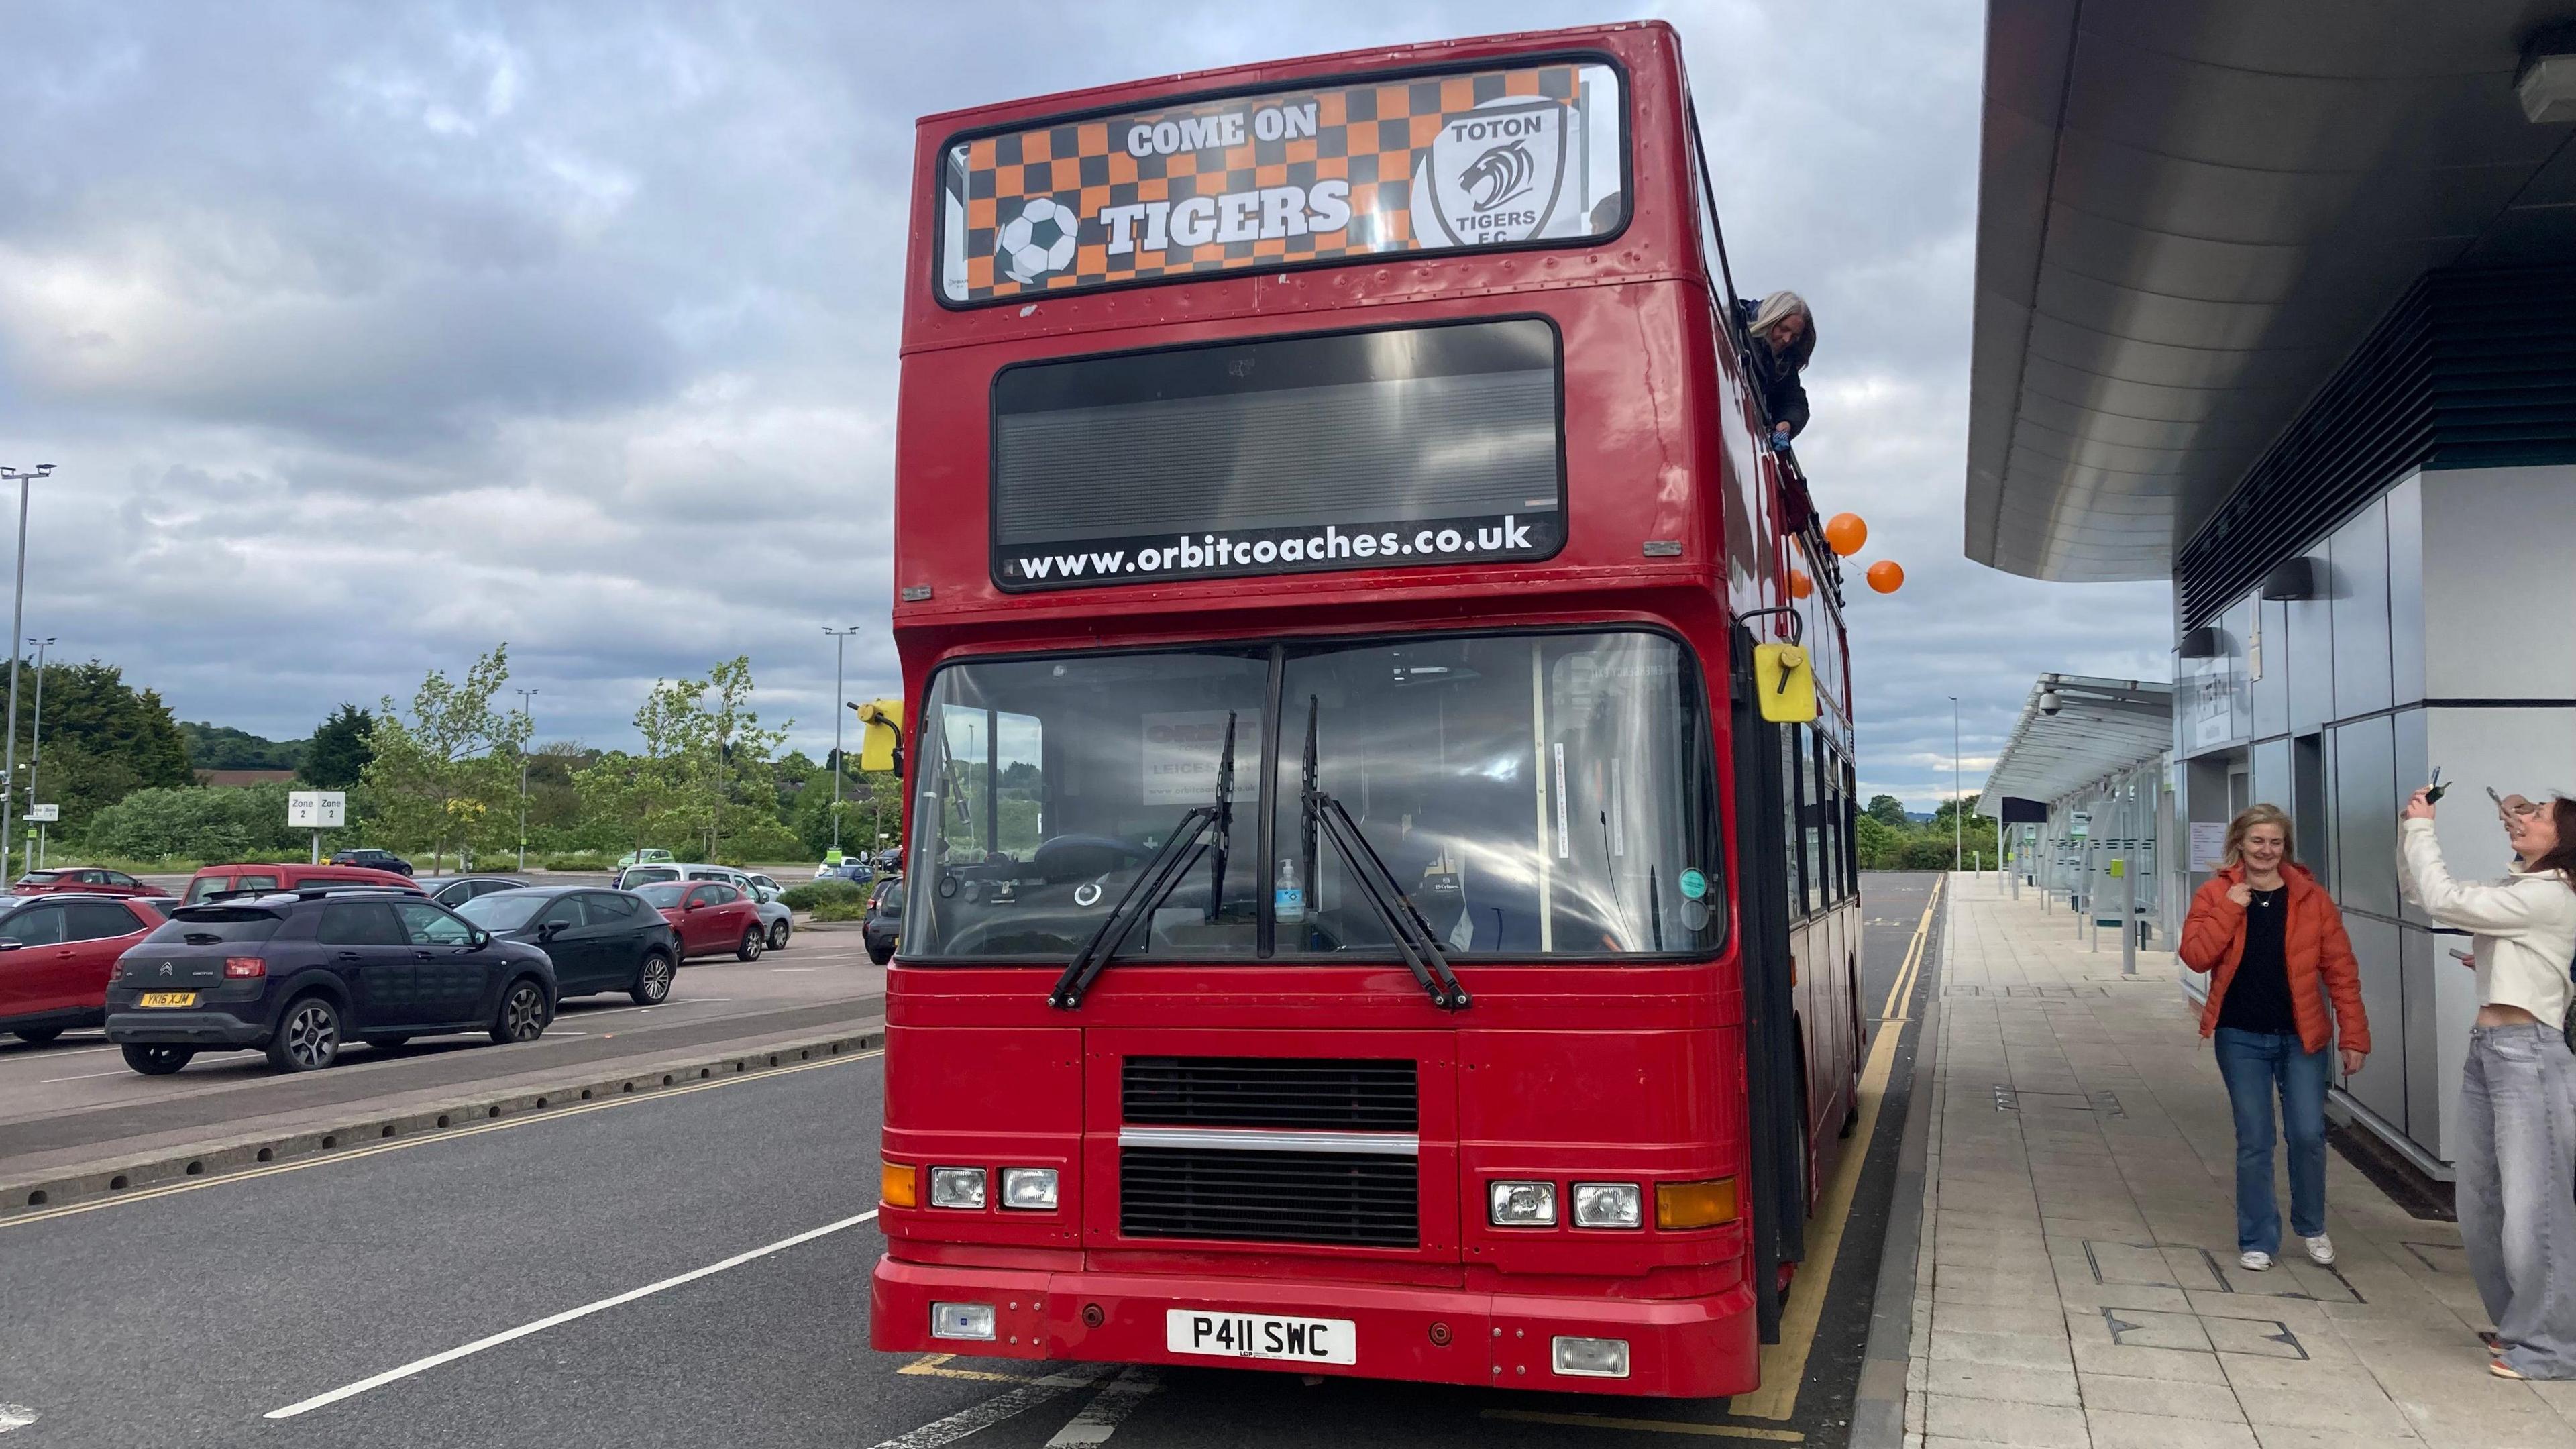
1482, 158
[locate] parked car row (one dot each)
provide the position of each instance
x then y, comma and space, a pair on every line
777, 920
297, 961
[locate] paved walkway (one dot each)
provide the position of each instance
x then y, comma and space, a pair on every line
2078, 1284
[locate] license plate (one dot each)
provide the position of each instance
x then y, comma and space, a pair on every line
169, 998
1212, 1334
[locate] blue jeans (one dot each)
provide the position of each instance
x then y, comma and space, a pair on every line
2517, 1220
2256, 1064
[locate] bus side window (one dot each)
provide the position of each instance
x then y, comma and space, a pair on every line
1829, 816
1791, 738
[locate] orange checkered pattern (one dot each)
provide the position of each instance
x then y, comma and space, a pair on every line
1370, 136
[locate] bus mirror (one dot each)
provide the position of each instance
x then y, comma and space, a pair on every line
881, 736
1785, 683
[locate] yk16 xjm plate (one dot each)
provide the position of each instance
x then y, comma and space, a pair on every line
169, 998
1208, 1332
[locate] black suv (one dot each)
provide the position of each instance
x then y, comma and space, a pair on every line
299, 975
884, 923
372, 859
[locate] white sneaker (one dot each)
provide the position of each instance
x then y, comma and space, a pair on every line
2321, 1250
2255, 1262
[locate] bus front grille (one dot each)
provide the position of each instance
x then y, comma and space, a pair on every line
1368, 1095
1354, 1199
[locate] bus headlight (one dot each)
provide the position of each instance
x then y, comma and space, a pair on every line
962, 1320
1521, 1204
1031, 1189
1605, 1205
957, 1187
1592, 1358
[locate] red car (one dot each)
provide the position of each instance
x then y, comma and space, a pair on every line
56, 954
709, 917
89, 880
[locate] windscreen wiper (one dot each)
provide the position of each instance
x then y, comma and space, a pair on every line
1179, 853
1324, 816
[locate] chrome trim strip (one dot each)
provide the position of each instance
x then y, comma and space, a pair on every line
1382, 1144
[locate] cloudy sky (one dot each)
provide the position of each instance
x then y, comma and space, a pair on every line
366, 336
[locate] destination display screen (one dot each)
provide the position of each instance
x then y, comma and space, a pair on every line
1501, 157
1355, 450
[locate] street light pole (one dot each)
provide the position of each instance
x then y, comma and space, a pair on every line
17, 623
525, 714
36, 745
840, 646
1958, 801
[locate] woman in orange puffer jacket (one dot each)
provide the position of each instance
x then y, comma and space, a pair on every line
2271, 937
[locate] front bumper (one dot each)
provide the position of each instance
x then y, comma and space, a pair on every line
184, 1028
1678, 1348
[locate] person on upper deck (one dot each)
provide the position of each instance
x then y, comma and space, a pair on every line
1783, 335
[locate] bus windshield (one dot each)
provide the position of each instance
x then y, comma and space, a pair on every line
1535, 795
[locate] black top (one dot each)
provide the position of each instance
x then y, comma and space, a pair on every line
2258, 998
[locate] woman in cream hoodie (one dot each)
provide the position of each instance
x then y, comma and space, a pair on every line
2518, 1095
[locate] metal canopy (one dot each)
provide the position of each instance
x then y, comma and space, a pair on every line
2189, 211
2102, 726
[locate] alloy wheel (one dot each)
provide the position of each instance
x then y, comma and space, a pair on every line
657, 977
525, 1013
312, 1036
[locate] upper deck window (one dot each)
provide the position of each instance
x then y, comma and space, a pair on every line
1507, 156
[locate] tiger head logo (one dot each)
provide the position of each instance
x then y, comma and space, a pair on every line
1499, 175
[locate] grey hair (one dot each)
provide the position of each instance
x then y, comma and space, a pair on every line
1779, 307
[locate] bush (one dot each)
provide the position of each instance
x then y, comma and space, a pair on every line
835, 908
815, 895
576, 860
198, 824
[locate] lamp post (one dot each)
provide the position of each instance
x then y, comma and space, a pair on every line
36, 746
524, 696
17, 622
1958, 802
840, 649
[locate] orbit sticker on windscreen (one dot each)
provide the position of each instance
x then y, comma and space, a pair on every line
1484, 158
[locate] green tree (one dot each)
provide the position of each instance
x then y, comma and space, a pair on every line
336, 757
704, 784
221, 747
1887, 810
166, 823
447, 777
103, 740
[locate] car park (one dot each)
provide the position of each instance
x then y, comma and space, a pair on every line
456, 890
775, 915
57, 951
220, 880
372, 859
710, 916
599, 940
301, 974
882, 928
88, 880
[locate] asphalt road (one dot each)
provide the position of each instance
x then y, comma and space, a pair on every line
186, 1316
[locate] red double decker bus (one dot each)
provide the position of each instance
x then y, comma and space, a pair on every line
1356, 919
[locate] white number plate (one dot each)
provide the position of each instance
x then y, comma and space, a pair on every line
1260, 1335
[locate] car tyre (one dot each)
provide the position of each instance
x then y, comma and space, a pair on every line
754, 941
881, 954
653, 980
778, 937
38, 1036
523, 1014
308, 1036
158, 1061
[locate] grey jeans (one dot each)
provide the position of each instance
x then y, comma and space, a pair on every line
2517, 1214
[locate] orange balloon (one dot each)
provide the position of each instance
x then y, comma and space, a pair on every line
1887, 576
1845, 533
1800, 585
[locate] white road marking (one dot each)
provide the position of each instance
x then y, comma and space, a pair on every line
423, 1365
83, 1077
1109, 1408
1001, 1406
15, 1416
791, 970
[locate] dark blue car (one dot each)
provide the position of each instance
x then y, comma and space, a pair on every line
301, 975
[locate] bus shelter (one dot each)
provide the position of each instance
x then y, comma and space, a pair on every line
2083, 794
